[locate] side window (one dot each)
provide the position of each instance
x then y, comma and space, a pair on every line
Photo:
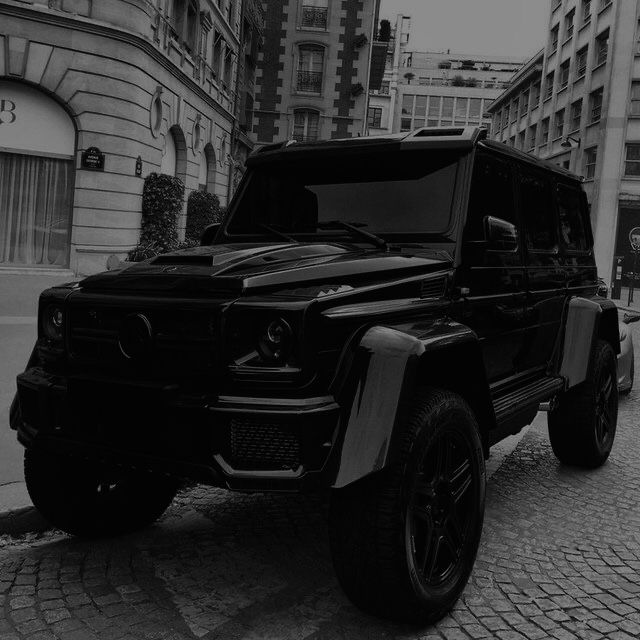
538, 213
573, 233
491, 195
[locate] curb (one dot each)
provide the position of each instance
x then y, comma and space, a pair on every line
17, 515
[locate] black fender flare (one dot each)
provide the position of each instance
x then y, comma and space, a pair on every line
379, 377
588, 319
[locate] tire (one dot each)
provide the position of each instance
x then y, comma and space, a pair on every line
432, 491
89, 500
627, 391
583, 426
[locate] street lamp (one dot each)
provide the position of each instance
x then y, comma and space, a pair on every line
566, 143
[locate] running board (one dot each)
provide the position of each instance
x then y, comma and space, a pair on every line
526, 398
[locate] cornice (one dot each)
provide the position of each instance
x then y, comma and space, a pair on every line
50, 18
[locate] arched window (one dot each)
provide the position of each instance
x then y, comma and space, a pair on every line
207, 169
310, 68
37, 160
306, 125
169, 155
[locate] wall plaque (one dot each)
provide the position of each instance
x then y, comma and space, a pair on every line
93, 159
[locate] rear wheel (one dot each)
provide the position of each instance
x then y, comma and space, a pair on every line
90, 500
583, 426
404, 541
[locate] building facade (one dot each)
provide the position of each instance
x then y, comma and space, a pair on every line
435, 88
577, 103
94, 96
313, 70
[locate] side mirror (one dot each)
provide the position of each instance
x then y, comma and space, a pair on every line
628, 319
209, 234
500, 234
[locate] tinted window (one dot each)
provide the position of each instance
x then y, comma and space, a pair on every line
405, 192
573, 233
491, 195
537, 211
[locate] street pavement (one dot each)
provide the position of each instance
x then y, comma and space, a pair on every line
559, 558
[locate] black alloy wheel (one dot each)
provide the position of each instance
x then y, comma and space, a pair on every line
440, 514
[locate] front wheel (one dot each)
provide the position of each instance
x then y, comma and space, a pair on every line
583, 426
404, 540
90, 500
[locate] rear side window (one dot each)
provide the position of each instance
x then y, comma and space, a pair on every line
573, 232
538, 213
491, 195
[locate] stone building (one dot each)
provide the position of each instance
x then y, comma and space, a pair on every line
95, 95
577, 103
313, 71
433, 88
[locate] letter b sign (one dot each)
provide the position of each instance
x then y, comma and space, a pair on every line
7, 111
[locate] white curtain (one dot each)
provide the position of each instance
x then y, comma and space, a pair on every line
35, 210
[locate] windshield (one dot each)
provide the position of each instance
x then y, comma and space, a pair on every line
408, 193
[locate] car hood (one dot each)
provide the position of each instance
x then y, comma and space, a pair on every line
241, 268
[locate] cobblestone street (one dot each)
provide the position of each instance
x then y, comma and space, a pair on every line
560, 558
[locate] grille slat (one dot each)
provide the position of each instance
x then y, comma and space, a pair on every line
433, 287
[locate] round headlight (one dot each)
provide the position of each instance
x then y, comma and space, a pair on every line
53, 322
275, 343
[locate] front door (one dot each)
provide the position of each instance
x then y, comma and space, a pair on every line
493, 306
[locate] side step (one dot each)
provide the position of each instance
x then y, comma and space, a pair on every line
526, 398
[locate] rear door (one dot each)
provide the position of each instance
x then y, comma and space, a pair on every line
492, 281
544, 267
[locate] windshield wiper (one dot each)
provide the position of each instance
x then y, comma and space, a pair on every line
350, 226
275, 232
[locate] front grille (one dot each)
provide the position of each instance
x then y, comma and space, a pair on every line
182, 340
433, 287
262, 446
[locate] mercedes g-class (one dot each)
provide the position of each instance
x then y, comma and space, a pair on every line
371, 316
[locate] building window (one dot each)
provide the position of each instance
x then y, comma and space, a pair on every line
558, 127
184, 18
216, 60
524, 104
586, 11
576, 114
581, 62
564, 74
505, 116
306, 125
554, 38
475, 110
310, 66
595, 105
405, 124
590, 158
602, 48
228, 68
568, 24
632, 161
535, 95
314, 14
544, 137
374, 117
384, 87
548, 86
521, 139
635, 99
533, 130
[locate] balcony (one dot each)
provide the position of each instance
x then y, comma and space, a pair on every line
314, 17
309, 81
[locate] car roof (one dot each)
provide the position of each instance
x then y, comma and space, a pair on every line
423, 138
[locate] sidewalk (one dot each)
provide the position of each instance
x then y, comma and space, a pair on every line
19, 294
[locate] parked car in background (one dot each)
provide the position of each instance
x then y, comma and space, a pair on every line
626, 360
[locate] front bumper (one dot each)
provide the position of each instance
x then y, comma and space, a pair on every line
250, 444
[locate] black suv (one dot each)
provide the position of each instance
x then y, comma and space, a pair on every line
370, 318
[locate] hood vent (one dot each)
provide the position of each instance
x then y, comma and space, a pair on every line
193, 259
433, 287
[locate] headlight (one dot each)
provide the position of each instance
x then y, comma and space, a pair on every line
274, 345
53, 322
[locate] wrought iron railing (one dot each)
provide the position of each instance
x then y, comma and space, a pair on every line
309, 81
314, 17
